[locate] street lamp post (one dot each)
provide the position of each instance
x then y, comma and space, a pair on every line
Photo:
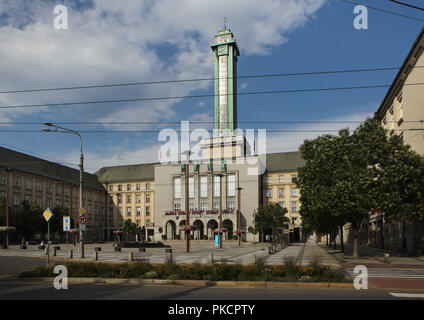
239, 215
187, 206
81, 173
6, 242
220, 210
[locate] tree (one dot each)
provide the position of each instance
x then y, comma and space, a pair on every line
347, 176
129, 229
270, 215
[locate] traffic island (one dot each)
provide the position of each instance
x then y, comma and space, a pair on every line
258, 274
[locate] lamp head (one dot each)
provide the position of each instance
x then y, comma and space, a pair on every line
46, 129
49, 124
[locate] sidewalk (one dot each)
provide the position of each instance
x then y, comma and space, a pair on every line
398, 272
303, 254
373, 257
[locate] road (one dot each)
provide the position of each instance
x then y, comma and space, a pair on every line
11, 290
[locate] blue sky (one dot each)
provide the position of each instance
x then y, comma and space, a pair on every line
134, 41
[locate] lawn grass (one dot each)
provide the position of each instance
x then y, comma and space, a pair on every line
213, 272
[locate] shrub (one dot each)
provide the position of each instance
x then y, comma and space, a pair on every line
214, 272
151, 275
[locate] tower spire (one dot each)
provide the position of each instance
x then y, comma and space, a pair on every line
225, 55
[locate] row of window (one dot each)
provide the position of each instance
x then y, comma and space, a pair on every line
268, 192
231, 186
281, 179
204, 206
293, 206
391, 117
138, 211
49, 188
137, 198
129, 186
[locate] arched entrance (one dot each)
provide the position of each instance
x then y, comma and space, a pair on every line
198, 233
228, 225
181, 229
171, 229
211, 226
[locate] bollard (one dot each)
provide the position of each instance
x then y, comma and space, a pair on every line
142, 250
96, 256
386, 257
269, 250
253, 258
70, 254
211, 257
45, 251
168, 252
130, 257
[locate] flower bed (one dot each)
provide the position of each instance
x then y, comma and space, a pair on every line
214, 272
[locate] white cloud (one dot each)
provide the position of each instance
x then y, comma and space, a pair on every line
116, 41
130, 41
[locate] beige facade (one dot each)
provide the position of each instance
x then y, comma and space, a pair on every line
133, 200
279, 187
402, 111
204, 200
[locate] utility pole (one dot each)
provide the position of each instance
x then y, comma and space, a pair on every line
239, 215
65, 130
220, 210
6, 242
187, 199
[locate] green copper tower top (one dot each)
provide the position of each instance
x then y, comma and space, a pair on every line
225, 52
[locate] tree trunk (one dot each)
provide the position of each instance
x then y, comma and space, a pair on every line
335, 240
355, 233
404, 249
341, 239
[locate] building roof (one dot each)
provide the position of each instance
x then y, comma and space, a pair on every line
138, 172
25, 163
284, 161
407, 66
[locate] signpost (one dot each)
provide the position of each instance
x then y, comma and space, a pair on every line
82, 220
47, 214
66, 223
67, 227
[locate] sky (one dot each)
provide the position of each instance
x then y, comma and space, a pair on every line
110, 42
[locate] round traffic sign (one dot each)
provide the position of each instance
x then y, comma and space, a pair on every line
82, 220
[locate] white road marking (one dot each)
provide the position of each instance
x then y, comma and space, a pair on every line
408, 295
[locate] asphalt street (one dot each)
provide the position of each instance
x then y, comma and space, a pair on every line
20, 290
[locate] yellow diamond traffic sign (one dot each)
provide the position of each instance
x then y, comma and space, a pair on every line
82, 211
47, 214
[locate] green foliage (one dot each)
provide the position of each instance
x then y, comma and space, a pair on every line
346, 176
130, 229
270, 215
215, 272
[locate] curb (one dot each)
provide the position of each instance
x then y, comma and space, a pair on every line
196, 283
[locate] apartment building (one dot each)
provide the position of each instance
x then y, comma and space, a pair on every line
401, 112
52, 185
131, 194
279, 186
